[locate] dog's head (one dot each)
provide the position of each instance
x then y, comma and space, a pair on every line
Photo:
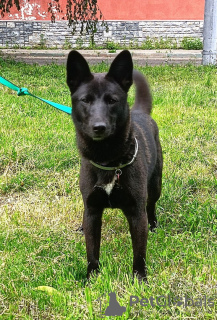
99, 100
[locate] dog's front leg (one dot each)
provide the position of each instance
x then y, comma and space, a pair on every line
92, 223
138, 223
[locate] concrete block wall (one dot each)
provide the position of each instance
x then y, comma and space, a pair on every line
57, 35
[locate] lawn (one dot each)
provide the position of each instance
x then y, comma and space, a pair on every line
41, 206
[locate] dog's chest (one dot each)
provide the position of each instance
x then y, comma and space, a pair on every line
107, 185
110, 194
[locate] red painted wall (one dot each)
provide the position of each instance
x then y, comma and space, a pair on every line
152, 9
120, 10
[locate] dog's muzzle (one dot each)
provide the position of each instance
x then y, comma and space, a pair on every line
99, 129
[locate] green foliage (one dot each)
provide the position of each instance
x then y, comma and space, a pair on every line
41, 206
113, 46
191, 44
148, 44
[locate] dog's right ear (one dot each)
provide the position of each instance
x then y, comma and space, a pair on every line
121, 70
78, 70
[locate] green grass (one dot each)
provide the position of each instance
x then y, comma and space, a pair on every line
41, 206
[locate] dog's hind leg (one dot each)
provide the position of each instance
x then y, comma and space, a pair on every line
154, 191
92, 223
154, 185
151, 211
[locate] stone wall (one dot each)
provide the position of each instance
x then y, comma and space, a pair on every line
15, 34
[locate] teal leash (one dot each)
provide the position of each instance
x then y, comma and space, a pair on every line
24, 91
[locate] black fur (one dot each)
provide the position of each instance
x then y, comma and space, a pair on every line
106, 131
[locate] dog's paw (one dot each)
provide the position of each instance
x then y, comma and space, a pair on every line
80, 229
153, 226
93, 269
141, 276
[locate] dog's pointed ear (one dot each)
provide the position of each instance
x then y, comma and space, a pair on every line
78, 70
121, 70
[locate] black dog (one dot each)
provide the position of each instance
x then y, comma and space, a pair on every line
121, 157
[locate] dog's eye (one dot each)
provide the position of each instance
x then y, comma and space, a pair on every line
86, 100
111, 101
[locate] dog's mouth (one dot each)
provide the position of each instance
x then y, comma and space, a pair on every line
98, 138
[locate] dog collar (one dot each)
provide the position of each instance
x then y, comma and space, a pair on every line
121, 165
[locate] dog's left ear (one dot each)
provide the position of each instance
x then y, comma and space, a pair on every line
121, 70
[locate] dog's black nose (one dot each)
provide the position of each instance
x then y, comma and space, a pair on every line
99, 127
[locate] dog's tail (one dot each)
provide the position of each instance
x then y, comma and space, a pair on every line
143, 100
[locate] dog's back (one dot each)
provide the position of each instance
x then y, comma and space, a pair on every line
145, 127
